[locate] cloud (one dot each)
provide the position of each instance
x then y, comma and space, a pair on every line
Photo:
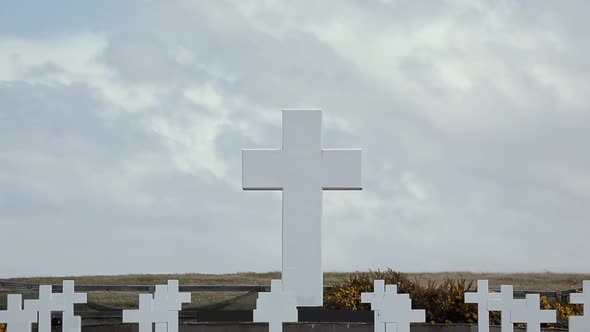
472, 117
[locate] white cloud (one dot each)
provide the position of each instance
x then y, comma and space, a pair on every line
472, 117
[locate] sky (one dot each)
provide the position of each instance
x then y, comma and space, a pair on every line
122, 125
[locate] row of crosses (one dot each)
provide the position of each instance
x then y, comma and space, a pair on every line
19, 317
393, 311
525, 310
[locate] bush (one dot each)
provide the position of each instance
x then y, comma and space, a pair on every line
443, 303
2, 327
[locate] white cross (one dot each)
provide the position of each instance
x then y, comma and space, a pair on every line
528, 311
161, 308
175, 299
375, 298
168, 299
481, 298
503, 302
44, 306
66, 300
17, 319
391, 308
144, 315
581, 323
276, 307
160, 305
302, 169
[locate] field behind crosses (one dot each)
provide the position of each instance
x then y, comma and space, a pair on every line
239, 300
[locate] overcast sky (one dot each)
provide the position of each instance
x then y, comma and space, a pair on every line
122, 125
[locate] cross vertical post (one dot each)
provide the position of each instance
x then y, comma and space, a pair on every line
43, 306
481, 299
66, 299
581, 323
160, 305
302, 170
503, 302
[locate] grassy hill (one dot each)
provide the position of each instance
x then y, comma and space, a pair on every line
241, 300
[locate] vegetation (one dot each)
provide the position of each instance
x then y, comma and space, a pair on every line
443, 302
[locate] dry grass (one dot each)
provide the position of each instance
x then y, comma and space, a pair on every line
521, 281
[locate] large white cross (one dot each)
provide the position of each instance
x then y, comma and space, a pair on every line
276, 307
528, 311
44, 306
481, 298
581, 323
67, 298
17, 319
503, 302
302, 170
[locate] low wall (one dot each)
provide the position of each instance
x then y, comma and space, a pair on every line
292, 327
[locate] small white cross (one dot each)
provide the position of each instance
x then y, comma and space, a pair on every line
161, 308
17, 319
144, 315
391, 308
175, 299
528, 311
581, 323
65, 302
168, 301
481, 299
44, 306
276, 307
375, 298
503, 302
302, 170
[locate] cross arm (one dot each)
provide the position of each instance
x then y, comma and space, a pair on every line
261, 169
341, 169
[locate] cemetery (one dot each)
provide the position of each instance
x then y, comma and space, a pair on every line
298, 301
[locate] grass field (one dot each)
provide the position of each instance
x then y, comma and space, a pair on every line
521, 281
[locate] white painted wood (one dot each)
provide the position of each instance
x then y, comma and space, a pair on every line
168, 301
143, 315
393, 311
376, 300
276, 307
503, 302
528, 311
16, 318
44, 306
175, 299
581, 323
65, 302
302, 170
161, 308
481, 299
